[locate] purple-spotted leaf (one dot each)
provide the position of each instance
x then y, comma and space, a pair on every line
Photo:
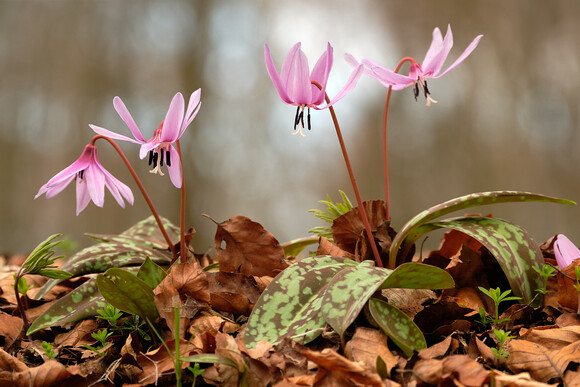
127, 249
348, 292
398, 326
405, 239
128, 293
151, 273
290, 305
414, 275
513, 248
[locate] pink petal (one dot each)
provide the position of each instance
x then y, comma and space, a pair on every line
276, 80
83, 197
350, 84
145, 148
175, 168
194, 102
126, 116
288, 67
464, 55
113, 135
438, 52
565, 251
299, 86
117, 188
173, 120
320, 74
387, 77
95, 181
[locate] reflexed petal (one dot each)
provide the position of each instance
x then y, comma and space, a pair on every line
276, 80
126, 116
386, 76
145, 148
175, 167
194, 103
351, 60
320, 74
113, 135
462, 57
117, 188
438, 51
350, 84
173, 119
565, 251
299, 87
83, 197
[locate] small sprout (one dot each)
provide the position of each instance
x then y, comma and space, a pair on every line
101, 336
546, 272
333, 211
196, 371
23, 287
48, 350
110, 313
502, 337
483, 319
497, 296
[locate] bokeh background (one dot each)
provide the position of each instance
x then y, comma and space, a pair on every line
507, 118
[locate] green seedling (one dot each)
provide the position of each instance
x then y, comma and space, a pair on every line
135, 324
196, 371
498, 297
546, 272
333, 211
502, 337
110, 313
48, 350
101, 336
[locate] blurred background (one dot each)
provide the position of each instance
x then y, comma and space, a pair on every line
507, 117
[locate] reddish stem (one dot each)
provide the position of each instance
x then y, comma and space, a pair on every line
363, 213
182, 245
385, 163
142, 189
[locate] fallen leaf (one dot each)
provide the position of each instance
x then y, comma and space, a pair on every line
10, 328
15, 373
453, 370
366, 344
244, 246
325, 247
440, 349
233, 292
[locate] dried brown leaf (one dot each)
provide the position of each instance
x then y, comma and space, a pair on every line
453, 370
366, 344
10, 328
325, 247
440, 349
233, 292
542, 363
15, 373
244, 246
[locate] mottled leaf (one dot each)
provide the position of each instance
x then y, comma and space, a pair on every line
513, 248
398, 326
151, 273
126, 292
403, 242
290, 305
348, 292
414, 275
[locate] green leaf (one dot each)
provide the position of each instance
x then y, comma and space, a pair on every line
404, 240
348, 292
513, 248
294, 247
290, 305
128, 293
398, 326
414, 275
211, 359
151, 273
54, 274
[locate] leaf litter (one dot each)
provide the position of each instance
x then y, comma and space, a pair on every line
215, 305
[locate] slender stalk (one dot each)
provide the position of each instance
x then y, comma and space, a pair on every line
363, 213
142, 189
19, 302
182, 245
385, 162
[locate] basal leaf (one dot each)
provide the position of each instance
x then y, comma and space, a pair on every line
398, 326
128, 293
294, 247
514, 249
291, 303
414, 275
210, 358
402, 243
151, 273
348, 292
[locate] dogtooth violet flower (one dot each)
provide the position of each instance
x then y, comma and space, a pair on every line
91, 179
565, 251
419, 73
294, 82
160, 146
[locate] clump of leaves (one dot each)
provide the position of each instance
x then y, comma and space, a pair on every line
502, 336
333, 211
48, 350
498, 297
101, 336
41, 262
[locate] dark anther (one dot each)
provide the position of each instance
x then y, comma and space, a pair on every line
308, 119
81, 174
297, 118
167, 159
425, 89
302, 118
161, 158
150, 157
416, 90
155, 158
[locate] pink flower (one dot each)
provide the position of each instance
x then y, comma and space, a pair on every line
294, 83
160, 145
565, 251
91, 179
418, 73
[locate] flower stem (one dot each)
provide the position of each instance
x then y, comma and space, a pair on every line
19, 302
142, 189
182, 245
362, 211
385, 162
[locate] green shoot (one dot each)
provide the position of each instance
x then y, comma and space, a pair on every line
498, 297
333, 211
196, 371
483, 319
101, 336
502, 337
48, 350
546, 272
110, 313
134, 324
